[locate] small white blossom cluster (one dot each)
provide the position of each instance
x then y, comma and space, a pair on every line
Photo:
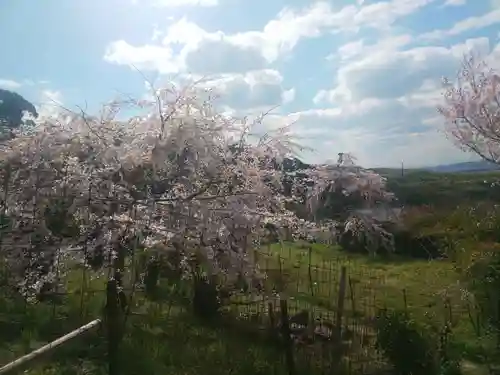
175, 181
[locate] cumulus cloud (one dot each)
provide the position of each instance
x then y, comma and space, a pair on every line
252, 91
471, 23
148, 57
288, 96
9, 84
378, 134
384, 72
206, 52
359, 48
200, 52
380, 104
383, 107
177, 3
383, 14
221, 56
50, 103
454, 3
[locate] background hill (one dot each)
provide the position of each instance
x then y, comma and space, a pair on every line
471, 166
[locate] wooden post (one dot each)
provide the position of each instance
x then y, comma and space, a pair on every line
309, 272
498, 320
287, 340
405, 301
18, 363
340, 302
353, 300
116, 305
270, 312
114, 327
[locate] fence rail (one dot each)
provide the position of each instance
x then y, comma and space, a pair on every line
317, 303
24, 360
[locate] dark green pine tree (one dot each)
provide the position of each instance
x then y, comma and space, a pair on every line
12, 107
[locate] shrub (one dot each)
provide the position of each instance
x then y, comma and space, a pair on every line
483, 279
412, 349
206, 299
405, 344
418, 246
181, 180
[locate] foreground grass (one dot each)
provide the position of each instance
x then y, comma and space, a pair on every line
428, 289
160, 338
444, 190
165, 337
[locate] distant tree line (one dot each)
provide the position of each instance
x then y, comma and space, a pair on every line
12, 108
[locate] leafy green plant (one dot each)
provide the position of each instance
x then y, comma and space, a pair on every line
405, 344
413, 348
206, 301
483, 279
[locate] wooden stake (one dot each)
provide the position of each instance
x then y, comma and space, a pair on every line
46, 348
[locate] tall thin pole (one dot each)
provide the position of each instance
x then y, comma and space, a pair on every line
46, 348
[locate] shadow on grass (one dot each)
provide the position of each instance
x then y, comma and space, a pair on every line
154, 343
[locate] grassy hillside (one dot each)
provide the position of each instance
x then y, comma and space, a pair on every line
422, 287
416, 188
163, 336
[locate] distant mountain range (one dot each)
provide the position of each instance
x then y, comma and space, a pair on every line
293, 164
471, 166
465, 167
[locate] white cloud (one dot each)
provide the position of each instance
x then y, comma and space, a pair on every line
9, 84
429, 95
381, 103
454, 3
349, 50
52, 96
380, 135
288, 96
383, 14
50, 103
207, 52
383, 108
249, 92
471, 23
187, 47
384, 72
149, 57
358, 48
178, 3
282, 34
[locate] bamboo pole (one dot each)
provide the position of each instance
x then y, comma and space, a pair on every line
340, 303
287, 340
46, 348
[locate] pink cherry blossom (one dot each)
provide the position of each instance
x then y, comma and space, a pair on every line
472, 109
181, 180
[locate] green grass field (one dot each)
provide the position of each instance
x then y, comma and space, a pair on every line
444, 190
165, 338
423, 287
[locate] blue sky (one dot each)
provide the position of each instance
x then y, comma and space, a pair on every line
352, 75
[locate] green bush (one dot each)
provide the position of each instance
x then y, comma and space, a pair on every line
405, 344
483, 280
206, 299
411, 348
418, 246
407, 244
